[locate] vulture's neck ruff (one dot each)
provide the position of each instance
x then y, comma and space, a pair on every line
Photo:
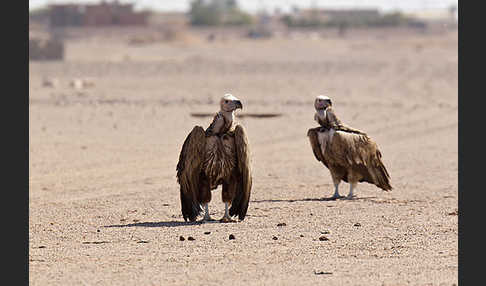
229, 116
321, 113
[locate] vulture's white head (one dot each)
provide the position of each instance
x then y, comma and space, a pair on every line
322, 102
230, 103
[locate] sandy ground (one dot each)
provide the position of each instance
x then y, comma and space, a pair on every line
104, 201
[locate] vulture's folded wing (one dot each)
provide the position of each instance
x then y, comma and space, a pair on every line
240, 202
188, 172
316, 146
361, 153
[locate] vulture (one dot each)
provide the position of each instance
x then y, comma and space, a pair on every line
219, 155
349, 154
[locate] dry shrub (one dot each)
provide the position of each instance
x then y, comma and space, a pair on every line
46, 49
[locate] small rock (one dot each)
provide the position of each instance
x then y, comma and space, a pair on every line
321, 272
301, 235
454, 213
282, 224
357, 224
325, 232
207, 232
42, 246
231, 236
275, 238
97, 230
142, 241
323, 238
50, 82
191, 238
181, 238
95, 242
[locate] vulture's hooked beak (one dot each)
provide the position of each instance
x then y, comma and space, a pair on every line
238, 104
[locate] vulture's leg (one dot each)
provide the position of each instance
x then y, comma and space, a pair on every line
336, 190
336, 179
353, 179
226, 217
207, 217
352, 186
228, 192
205, 198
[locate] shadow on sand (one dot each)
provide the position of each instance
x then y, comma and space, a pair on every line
161, 224
183, 223
330, 199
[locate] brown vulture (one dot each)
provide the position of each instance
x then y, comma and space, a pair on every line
348, 153
216, 156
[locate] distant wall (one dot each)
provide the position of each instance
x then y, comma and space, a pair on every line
95, 15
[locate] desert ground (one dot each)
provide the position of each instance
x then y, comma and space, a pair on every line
104, 203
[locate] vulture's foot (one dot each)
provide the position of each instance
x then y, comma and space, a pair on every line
207, 219
350, 197
226, 219
335, 197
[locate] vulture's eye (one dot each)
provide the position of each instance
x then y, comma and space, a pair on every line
225, 101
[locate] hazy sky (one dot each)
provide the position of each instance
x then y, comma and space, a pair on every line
270, 5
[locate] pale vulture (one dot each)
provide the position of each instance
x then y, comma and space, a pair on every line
216, 156
348, 153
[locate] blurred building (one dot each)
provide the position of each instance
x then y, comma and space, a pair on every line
103, 14
168, 19
325, 15
435, 16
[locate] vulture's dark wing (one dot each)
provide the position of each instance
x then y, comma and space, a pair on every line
239, 205
316, 146
188, 172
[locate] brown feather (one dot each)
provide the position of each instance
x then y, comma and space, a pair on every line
239, 205
354, 156
208, 161
316, 146
219, 158
188, 172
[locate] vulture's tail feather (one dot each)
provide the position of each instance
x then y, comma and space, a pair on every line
383, 178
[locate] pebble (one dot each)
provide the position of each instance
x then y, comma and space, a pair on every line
321, 272
323, 238
282, 224
274, 238
231, 236
191, 238
181, 238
